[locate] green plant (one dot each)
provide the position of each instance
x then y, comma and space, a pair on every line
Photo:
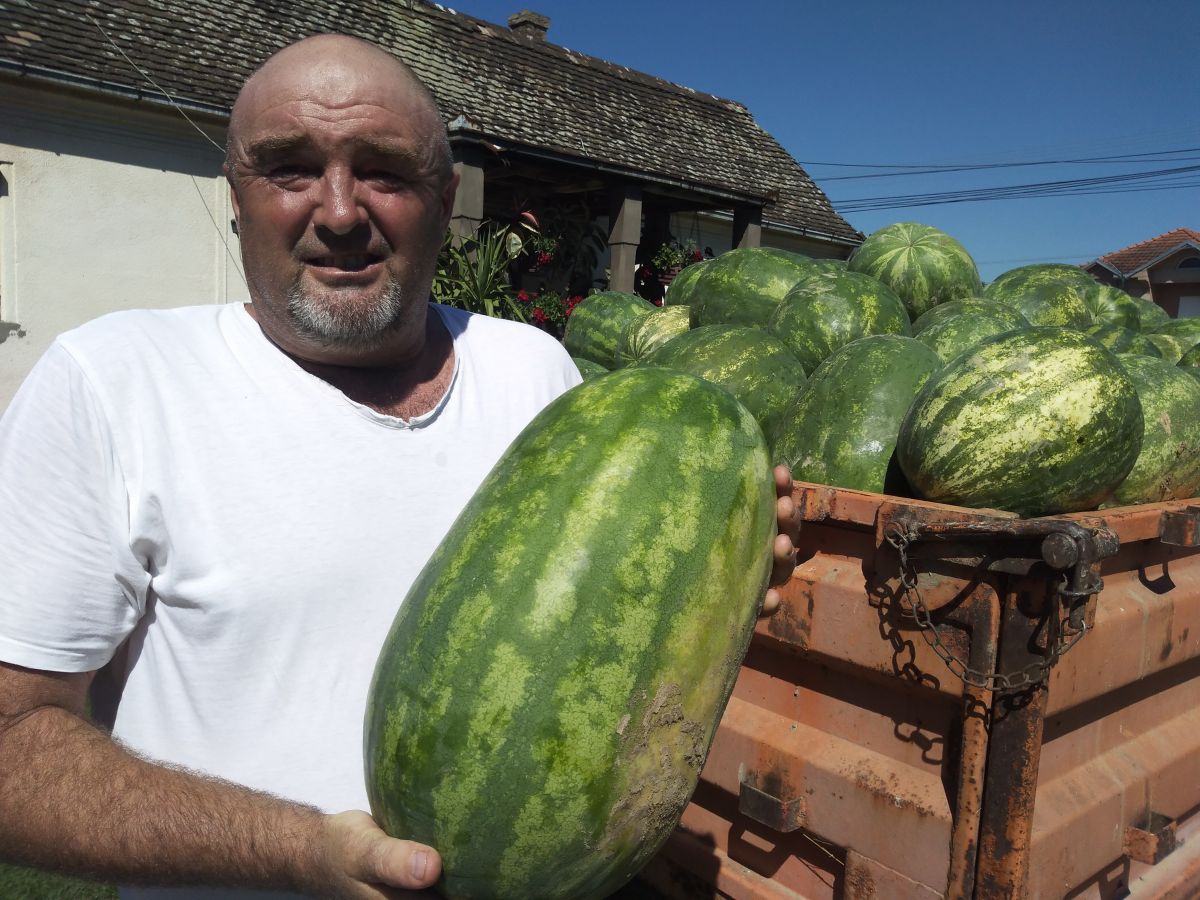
567, 248
472, 273
675, 255
549, 310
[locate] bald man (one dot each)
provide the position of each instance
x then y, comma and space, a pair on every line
221, 507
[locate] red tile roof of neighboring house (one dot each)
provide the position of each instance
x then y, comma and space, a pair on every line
1134, 258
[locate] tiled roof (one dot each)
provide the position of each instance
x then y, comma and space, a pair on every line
1134, 258
529, 93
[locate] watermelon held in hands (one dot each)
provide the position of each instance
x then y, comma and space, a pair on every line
1037, 421
595, 326
548, 692
827, 310
843, 427
923, 265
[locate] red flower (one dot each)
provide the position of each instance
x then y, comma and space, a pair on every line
545, 258
522, 296
538, 316
697, 256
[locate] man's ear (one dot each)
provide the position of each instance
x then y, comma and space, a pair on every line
227, 171
449, 191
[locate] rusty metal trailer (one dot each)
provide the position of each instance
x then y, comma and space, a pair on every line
948, 704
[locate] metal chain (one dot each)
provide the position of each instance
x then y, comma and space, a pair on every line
1065, 637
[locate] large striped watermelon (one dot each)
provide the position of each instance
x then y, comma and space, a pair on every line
549, 689
680, 288
842, 430
597, 323
1037, 421
650, 331
743, 287
974, 321
1023, 278
944, 311
755, 367
1169, 347
1112, 306
1150, 315
921, 264
827, 310
1186, 331
1168, 465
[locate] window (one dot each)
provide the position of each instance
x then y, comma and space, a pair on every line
1192, 262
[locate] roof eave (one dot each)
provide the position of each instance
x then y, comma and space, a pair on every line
25, 72
1173, 250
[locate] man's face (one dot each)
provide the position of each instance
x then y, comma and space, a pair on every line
341, 209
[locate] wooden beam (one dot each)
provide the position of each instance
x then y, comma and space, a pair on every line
624, 234
467, 213
747, 226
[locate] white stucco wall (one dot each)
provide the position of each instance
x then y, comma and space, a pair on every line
108, 206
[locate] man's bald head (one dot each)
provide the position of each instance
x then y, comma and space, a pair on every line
331, 61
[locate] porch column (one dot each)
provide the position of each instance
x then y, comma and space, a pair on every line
747, 226
468, 201
624, 235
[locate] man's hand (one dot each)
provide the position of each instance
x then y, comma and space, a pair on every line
788, 520
360, 862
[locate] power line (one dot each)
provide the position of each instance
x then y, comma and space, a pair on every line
940, 167
1137, 158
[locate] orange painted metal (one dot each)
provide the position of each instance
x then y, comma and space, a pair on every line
853, 762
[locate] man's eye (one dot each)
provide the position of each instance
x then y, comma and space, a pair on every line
385, 178
290, 172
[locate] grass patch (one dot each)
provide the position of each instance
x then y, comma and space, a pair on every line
19, 883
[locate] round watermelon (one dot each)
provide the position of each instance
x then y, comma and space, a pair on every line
922, 265
757, 368
597, 323
680, 288
1116, 338
1170, 348
1112, 306
1186, 331
1036, 421
551, 684
827, 310
743, 287
945, 311
1058, 303
1023, 278
842, 430
587, 368
1168, 465
950, 335
1150, 314
651, 331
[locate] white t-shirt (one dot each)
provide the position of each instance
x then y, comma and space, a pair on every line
171, 479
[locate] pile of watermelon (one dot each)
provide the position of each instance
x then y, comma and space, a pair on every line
899, 372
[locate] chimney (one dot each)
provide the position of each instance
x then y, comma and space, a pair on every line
529, 25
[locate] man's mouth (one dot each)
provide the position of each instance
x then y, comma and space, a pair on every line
347, 262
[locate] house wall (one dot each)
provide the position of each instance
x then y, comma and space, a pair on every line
716, 231
105, 206
1177, 290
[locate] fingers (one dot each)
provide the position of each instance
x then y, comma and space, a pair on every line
783, 481
372, 864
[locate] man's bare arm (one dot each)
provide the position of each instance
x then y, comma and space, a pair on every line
74, 800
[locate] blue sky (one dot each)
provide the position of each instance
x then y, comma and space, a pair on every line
941, 83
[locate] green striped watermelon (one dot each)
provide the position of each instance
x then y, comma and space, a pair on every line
743, 287
1115, 337
944, 311
842, 430
597, 323
1024, 278
757, 368
1168, 465
552, 682
681, 285
1186, 331
922, 265
1037, 421
587, 368
827, 310
973, 321
1150, 314
650, 331
1112, 306
1058, 303
1170, 348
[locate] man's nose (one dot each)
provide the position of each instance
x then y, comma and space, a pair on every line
339, 206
